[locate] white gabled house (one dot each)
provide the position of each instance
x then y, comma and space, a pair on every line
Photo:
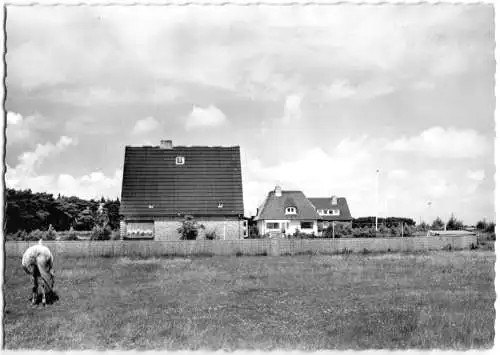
283, 212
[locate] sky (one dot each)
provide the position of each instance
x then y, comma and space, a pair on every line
318, 98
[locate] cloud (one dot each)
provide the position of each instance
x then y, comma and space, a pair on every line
205, 117
25, 175
14, 118
146, 125
29, 161
439, 142
369, 89
477, 175
292, 111
26, 129
398, 174
88, 96
95, 184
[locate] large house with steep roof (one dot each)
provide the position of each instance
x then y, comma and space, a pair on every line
162, 184
284, 212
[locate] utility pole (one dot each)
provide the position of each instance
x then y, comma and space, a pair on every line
376, 202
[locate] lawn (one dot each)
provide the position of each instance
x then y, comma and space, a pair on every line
427, 300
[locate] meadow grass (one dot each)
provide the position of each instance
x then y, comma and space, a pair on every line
442, 299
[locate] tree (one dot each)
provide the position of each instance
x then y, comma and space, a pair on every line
437, 223
85, 220
189, 228
423, 227
454, 223
481, 225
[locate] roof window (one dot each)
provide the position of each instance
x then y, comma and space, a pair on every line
179, 161
220, 205
290, 210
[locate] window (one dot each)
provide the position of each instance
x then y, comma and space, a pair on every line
272, 225
306, 225
179, 160
291, 210
220, 205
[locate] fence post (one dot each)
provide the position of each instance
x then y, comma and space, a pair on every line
275, 247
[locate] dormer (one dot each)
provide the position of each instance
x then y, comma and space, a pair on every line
291, 210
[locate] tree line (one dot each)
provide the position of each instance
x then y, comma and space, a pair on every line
28, 211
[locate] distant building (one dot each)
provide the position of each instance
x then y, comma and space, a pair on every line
162, 184
331, 210
284, 212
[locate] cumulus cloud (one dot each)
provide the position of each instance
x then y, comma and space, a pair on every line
25, 175
292, 110
29, 161
343, 89
146, 125
95, 184
476, 175
439, 142
205, 117
26, 129
14, 118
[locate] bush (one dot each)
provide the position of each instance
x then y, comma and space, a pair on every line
19, 236
51, 233
490, 227
211, 235
253, 232
328, 232
115, 235
189, 228
70, 236
100, 233
36, 234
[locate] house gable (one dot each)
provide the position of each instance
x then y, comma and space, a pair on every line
174, 181
275, 207
334, 208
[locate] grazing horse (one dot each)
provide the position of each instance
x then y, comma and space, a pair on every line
38, 262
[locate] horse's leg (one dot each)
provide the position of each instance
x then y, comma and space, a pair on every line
34, 293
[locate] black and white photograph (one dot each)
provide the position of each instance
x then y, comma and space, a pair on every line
237, 176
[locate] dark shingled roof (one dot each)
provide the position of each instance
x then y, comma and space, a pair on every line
323, 203
274, 207
209, 175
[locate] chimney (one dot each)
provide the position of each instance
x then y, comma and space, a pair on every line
277, 191
166, 144
334, 200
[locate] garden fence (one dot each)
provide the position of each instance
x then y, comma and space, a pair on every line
270, 247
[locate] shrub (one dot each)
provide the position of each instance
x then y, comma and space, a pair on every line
100, 233
211, 235
51, 233
253, 232
115, 235
490, 227
70, 236
36, 234
189, 228
19, 236
328, 232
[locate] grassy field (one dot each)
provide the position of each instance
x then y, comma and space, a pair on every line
427, 300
